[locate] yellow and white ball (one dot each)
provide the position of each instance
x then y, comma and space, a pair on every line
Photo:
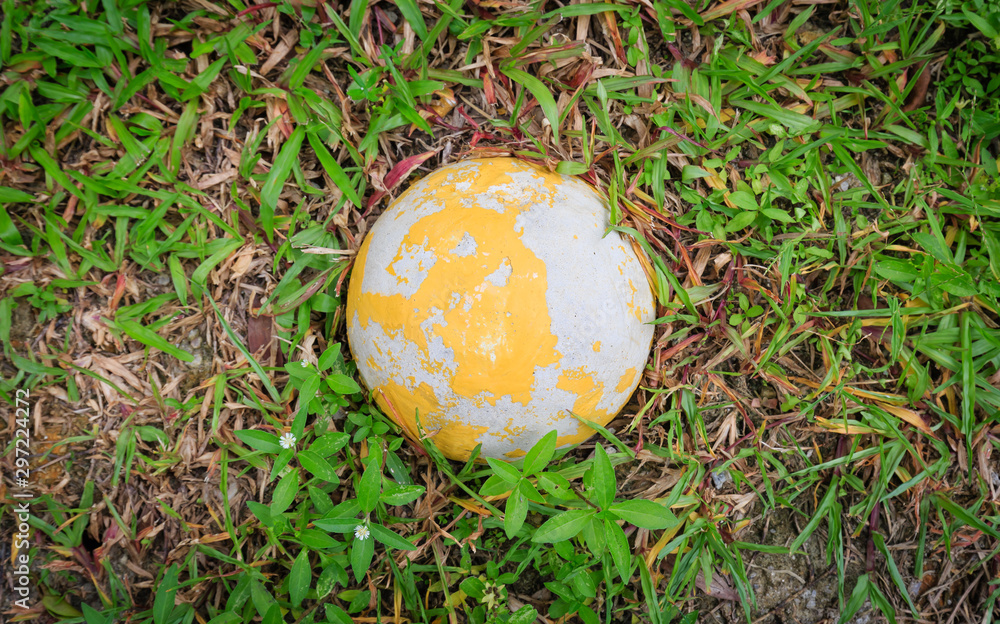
488, 301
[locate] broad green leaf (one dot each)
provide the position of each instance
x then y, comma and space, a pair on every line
540, 454
896, 270
263, 512
529, 491
227, 617
584, 584
299, 578
178, 277
524, 615
329, 443
593, 535
618, 545
260, 440
390, 538
331, 356
282, 460
184, 132
318, 466
8, 231
317, 540
262, 598
309, 388
370, 486
59, 607
337, 525
954, 281
604, 478
644, 513
557, 485
342, 384
515, 513
744, 200
740, 221
361, 556
563, 526
328, 579
495, 486
163, 602
336, 615
795, 122
932, 245
284, 492
273, 615
473, 587
982, 23
401, 494
504, 470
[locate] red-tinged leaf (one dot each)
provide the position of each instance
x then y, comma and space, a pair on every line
582, 75
404, 168
119, 292
399, 173
488, 90
730, 6
255, 8
616, 38
472, 122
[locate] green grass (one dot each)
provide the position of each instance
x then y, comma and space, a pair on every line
824, 230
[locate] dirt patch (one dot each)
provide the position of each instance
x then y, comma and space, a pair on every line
22, 323
799, 587
796, 588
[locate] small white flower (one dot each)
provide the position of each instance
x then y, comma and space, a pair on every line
287, 441
361, 532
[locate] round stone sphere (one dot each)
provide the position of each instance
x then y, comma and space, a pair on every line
488, 303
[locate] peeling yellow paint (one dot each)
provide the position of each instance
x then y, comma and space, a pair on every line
484, 306
587, 391
627, 380
499, 333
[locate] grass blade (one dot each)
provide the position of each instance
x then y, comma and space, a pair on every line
271, 190
542, 95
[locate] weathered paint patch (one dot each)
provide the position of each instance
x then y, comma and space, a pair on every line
488, 300
628, 380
